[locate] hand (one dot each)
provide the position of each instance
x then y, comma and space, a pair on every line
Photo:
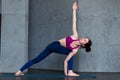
66, 74
74, 6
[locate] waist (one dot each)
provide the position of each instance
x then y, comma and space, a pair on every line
62, 42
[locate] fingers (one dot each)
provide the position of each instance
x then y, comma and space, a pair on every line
75, 5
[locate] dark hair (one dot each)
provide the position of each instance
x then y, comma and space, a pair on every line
87, 46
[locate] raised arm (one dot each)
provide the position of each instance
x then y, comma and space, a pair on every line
74, 30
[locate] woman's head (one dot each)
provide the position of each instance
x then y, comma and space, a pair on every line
86, 43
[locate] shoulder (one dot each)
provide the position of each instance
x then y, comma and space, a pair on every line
75, 50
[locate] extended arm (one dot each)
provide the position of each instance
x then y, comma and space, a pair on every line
75, 33
67, 59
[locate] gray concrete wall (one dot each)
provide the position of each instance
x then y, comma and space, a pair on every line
0, 6
14, 35
49, 21
0, 24
97, 19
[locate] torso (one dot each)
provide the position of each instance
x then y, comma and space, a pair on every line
72, 45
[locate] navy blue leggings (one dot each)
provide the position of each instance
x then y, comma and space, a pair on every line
53, 47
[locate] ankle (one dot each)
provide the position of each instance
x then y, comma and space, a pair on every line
70, 71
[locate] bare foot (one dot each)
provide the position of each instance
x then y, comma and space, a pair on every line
18, 73
71, 73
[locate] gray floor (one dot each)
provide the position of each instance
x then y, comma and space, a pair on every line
35, 73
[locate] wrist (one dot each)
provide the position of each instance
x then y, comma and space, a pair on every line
74, 9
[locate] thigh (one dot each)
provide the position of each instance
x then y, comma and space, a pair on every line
57, 48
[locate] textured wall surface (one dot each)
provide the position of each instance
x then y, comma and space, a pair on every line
49, 21
0, 25
14, 35
100, 19
97, 19
0, 6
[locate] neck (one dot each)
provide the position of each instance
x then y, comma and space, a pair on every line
79, 43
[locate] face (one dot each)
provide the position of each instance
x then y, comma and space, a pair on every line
83, 41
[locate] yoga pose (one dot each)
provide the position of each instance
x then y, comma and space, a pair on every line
68, 46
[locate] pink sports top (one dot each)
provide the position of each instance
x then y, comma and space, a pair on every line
69, 40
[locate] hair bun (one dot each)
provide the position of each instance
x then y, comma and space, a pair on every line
88, 49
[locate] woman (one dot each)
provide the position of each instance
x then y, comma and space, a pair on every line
68, 46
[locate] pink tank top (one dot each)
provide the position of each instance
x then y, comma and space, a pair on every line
69, 40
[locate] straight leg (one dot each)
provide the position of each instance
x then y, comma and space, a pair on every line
39, 58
